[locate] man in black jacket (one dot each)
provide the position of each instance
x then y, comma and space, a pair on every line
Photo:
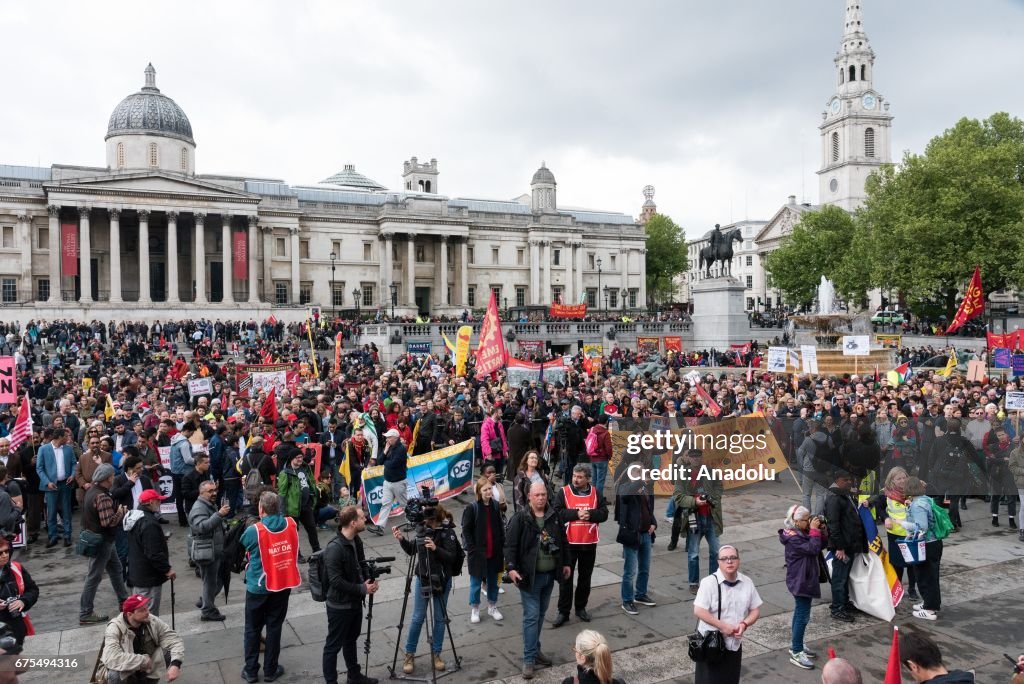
536, 556
195, 475
346, 588
846, 537
149, 563
582, 509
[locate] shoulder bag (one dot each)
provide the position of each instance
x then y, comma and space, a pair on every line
709, 647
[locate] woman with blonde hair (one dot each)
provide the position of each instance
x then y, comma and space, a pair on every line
483, 538
593, 660
895, 518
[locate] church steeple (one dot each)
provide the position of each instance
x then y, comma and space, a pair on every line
855, 128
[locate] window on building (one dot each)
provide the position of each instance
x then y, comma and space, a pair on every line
612, 264
556, 294
336, 248
592, 297
120, 155
470, 255
303, 249
613, 298
520, 295
494, 255
750, 302
367, 251
43, 238
8, 239
863, 72
305, 293
520, 257
750, 282
590, 261
842, 75
367, 294
338, 295
471, 296
556, 257
152, 154
634, 293
184, 159
496, 291
280, 248
42, 289
768, 303
281, 293
9, 287
421, 254
835, 145
451, 291
853, 73
869, 142
750, 260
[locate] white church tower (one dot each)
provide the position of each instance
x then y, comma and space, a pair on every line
856, 124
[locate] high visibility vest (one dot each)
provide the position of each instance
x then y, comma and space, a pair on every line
581, 531
279, 553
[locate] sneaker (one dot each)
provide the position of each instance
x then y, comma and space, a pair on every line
250, 677
527, 670
801, 660
501, 590
474, 615
93, 619
644, 600
410, 663
495, 613
842, 616
925, 614
809, 653
439, 665
913, 595
918, 606
668, 519
630, 608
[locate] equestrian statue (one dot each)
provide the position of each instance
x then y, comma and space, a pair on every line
719, 249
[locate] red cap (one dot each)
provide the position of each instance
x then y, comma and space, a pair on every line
143, 405
150, 495
134, 602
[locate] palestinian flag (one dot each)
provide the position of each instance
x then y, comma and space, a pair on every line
900, 374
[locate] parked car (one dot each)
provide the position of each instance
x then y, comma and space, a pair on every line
887, 318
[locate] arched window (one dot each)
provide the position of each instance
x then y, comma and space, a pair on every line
835, 146
152, 154
853, 73
427, 187
184, 159
863, 72
120, 155
842, 76
869, 142
420, 186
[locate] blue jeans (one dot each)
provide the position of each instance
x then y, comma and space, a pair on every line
600, 470
475, 583
419, 616
637, 564
58, 499
535, 605
840, 583
706, 530
671, 510
801, 616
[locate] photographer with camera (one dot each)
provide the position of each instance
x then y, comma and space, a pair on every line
699, 501
18, 593
297, 489
346, 588
535, 558
438, 558
582, 509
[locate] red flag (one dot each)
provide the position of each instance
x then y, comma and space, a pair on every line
892, 670
266, 357
973, 304
1005, 341
750, 373
490, 353
22, 426
712, 406
271, 319
877, 377
269, 408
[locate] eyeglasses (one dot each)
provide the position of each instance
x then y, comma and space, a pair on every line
729, 559
5, 552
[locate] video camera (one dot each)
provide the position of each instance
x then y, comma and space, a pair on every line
421, 508
372, 571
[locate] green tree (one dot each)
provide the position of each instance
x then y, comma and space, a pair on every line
926, 224
666, 256
817, 246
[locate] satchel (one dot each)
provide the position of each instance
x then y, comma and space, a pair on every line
497, 446
627, 537
202, 550
88, 543
710, 647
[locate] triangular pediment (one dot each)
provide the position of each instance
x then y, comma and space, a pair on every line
782, 222
152, 183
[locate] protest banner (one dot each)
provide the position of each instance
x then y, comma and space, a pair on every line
519, 371
1017, 363
8, 384
674, 344
648, 345
593, 350
889, 341
856, 345
252, 378
568, 311
418, 347
777, 358
809, 358
531, 346
1015, 401
447, 471
200, 386
462, 338
165, 483
1001, 357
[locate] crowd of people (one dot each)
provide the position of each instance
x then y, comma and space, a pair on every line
108, 401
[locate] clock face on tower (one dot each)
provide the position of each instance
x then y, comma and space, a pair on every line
835, 106
869, 101
833, 185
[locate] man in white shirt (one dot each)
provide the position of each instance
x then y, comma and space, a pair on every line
731, 612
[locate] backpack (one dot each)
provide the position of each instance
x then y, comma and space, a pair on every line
460, 557
591, 444
941, 524
317, 574
234, 553
253, 480
10, 515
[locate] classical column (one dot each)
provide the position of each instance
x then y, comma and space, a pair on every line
293, 232
442, 245
115, 255
55, 295
199, 258
570, 278
225, 228
642, 299
25, 231
624, 256
535, 272
464, 272
85, 247
578, 264
145, 291
172, 258
545, 288
387, 268
410, 269
268, 247
254, 296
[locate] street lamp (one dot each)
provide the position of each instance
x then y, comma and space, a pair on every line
355, 298
506, 308
334, 257
624, 292
394, 298
599, 283
606, 300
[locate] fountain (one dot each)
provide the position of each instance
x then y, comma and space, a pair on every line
828, 324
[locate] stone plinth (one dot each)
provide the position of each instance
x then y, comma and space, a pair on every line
719, 316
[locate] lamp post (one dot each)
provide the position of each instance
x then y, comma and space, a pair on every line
624, 292
599, 283
606, 301
355, 298
394, 298
506, 308
334, 257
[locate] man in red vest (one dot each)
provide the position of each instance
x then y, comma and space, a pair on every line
272, 573
582, 509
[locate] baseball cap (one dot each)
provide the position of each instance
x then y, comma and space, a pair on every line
392, 433
150, 495
134, 602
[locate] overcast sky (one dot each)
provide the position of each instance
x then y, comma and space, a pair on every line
714, 103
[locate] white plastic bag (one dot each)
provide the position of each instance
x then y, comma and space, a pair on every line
869, 588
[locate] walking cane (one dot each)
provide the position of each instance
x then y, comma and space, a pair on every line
172, 603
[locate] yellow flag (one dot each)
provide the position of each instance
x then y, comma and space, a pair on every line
950, 365
462, 349
108, 410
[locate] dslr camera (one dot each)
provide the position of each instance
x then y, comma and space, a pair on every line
372, 571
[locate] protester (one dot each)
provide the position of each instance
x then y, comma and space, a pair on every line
297, 489
581, 508
394, 460
634, 511
18, 593
699, 499
896, 515
102, 519
593, 660
1016, 466
603, 452
206, 522
492, 439
195, 474
149, 560
138, 646
529, 472
923, 659
483, 538
55, 466
181, 456
727, 601
920, 523
346, 588
846, 537
802, 537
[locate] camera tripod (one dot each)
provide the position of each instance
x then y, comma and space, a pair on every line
428, 621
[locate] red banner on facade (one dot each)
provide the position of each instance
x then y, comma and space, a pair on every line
239, 256
567, 311
531, 346
648, 345
490, 354
674, 344
69, 249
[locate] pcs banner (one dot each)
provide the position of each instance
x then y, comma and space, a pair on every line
448, 472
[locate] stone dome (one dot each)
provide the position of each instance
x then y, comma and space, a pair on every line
150, 111
543, 175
